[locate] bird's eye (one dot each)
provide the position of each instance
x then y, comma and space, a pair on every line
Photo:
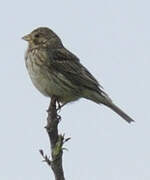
37, 35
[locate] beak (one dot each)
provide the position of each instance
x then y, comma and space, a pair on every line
27, 37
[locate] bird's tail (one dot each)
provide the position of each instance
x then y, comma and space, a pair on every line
120, 112
103, 98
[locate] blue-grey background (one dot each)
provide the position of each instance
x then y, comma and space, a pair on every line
112, 39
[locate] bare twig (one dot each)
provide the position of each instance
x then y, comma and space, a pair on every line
56, 141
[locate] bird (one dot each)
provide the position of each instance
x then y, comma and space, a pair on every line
55, 71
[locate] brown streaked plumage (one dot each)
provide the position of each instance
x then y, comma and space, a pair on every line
56, 71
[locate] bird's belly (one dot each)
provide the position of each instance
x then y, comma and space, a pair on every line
44, 84
47, 84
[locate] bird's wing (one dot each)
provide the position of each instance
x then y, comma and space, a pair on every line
69, 65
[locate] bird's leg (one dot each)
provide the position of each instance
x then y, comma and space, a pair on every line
58, 109
55, 102
58, 105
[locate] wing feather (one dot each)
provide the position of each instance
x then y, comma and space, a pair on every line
69, 65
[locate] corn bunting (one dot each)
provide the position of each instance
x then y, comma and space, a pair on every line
55, 71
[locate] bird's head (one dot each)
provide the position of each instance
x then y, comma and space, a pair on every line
42, 37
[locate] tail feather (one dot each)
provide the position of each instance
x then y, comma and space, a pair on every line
120, 112
103, 98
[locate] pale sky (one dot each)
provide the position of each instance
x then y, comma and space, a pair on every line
112, 39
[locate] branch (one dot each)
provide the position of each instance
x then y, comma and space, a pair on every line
56, 141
